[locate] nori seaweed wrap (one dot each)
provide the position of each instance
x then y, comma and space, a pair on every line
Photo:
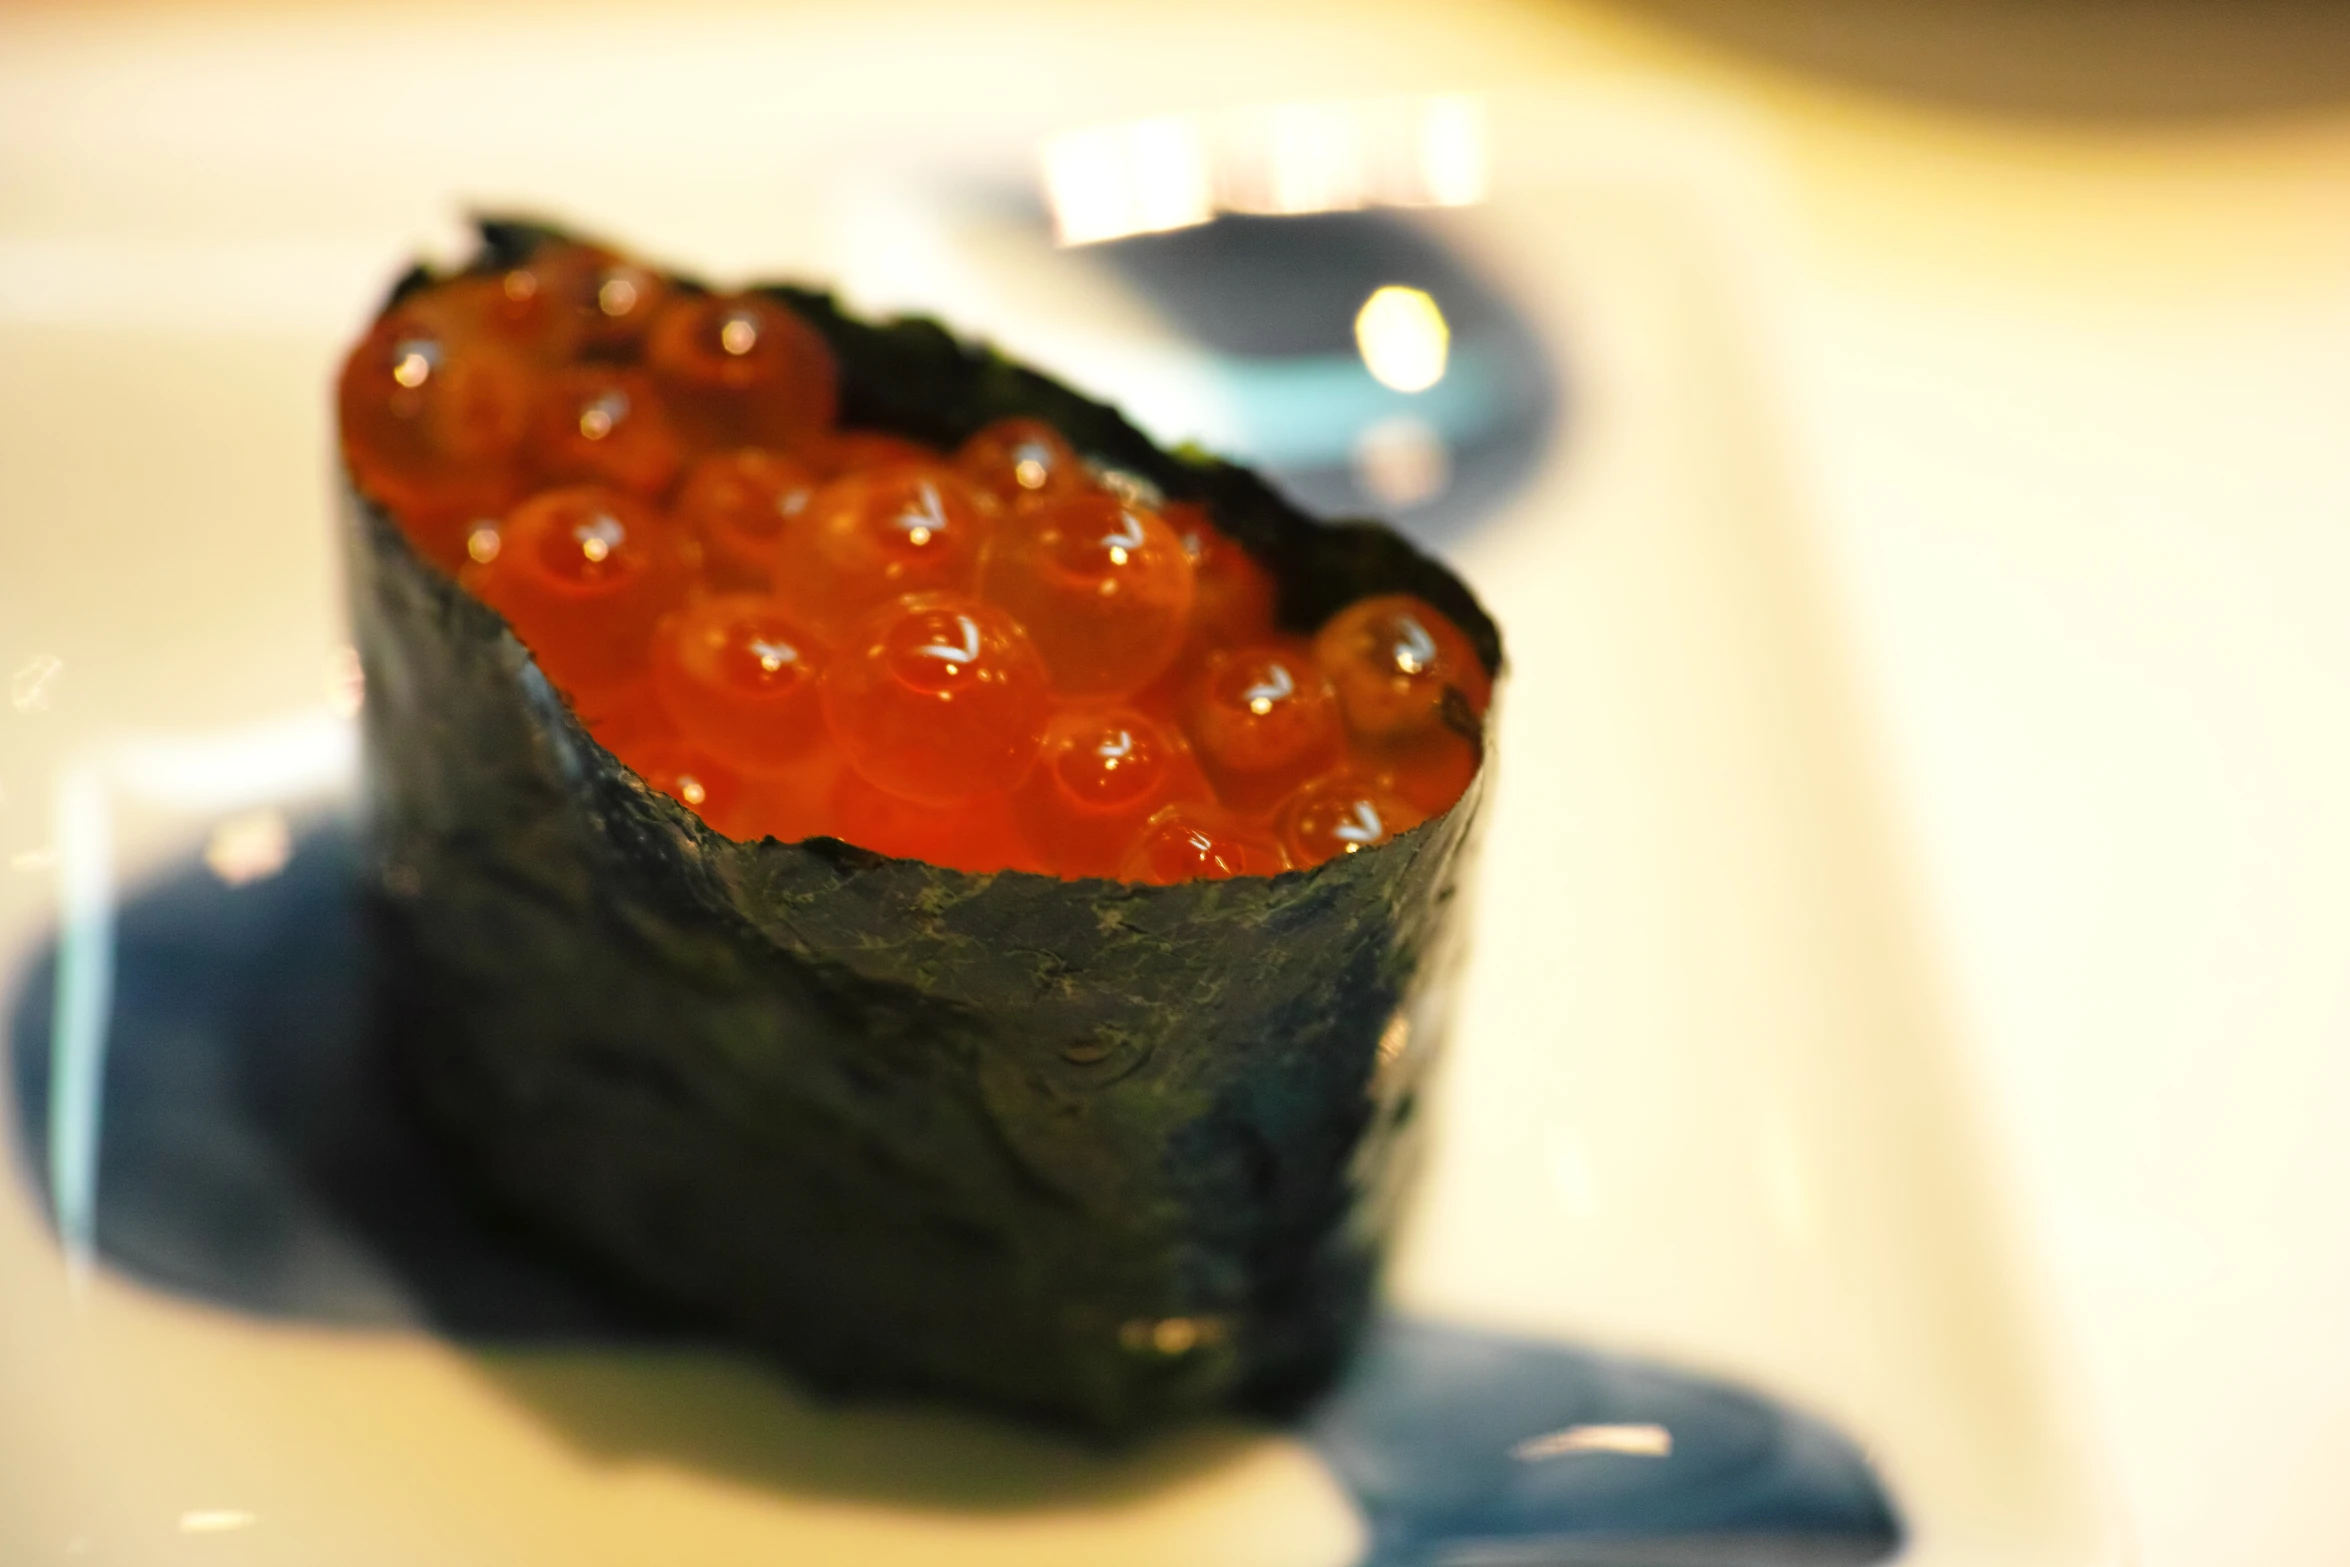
1098, 1153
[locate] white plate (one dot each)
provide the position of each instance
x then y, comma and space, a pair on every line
1703, 1104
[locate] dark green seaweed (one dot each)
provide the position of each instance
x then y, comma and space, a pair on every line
1095, 1153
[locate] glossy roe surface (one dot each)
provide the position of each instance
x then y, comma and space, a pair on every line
1100, 774
872, 537
1103, 587
583, 574
938, 698
740, 370
1262, 721
737, 676
735, 505
1000, 658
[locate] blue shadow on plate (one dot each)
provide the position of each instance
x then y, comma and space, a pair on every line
253, 1157
1270, 302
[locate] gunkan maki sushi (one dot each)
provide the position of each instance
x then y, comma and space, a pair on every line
873, 854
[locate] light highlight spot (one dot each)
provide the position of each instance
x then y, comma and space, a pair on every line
216, 1520
1103, 182
1402, 461
1403, 338
739, 335
1633, 1441
599, 538
618, 296
249, 848
34, 685
346, 681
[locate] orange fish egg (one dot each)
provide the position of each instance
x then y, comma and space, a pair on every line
1338, 815
939, 698
1430, 770
1233, 597
1100, 774
737, 504
600, 424
1392, 659
582, 574
871, 537
620, 714
1231, 605
793, 804
509, 307
1262, 721
688, 775
975, 834
434, 429
1102, 586
1017, 460
1195, 841
738, 677
607, 301
741, 370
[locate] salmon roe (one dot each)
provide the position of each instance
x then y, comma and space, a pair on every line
1099, 775
433, 427
1262, 721
600, 424
735, 504
691, 777
1232, 595
988, 653
873, 537
740, 370
1201, 842
1103, 587
938, 698
1393, 660
582, 574
608, 303
1017, 460
1338, 814
513, 309
738, 677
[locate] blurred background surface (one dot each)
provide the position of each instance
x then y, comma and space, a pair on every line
2020, 335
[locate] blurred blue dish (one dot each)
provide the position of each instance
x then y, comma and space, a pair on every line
1272, 302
